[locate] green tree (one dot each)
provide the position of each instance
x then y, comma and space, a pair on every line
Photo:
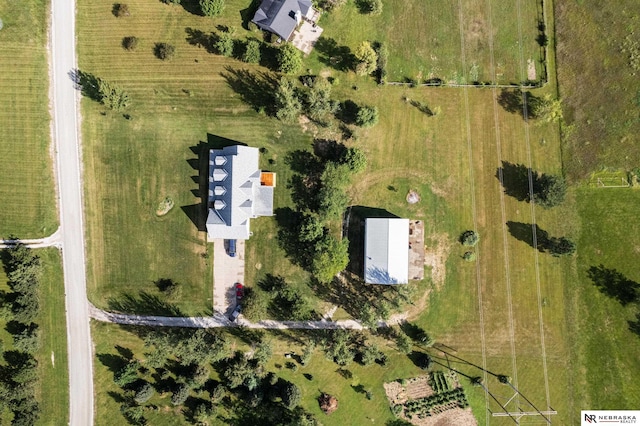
366, 57
254, 304
225, 44
171, 1
307, 353
180, 395
219, 392
287, 103
403, 342
263, 353
311, 228
331, 256
369, 354
330, 5
469, 238
367, 116
143, 393
289, 59
27, 340
560, 246
252, 52
319, 104
211, 7
547, 109
127, 374
549, 190
291, 395
112, 96
370, 7
356, 159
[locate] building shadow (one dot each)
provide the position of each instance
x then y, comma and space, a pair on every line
248, 13
355, 227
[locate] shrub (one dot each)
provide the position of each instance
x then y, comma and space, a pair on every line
224, 44
469, 238
144, 393
367, 59
211, 7
291, 395
469, 256
370, 7
112, 96
252, 52
367, 116
164, 51
180, 395
329, 5
289, 59
130, 43
121, 9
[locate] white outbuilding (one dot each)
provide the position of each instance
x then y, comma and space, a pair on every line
386, 251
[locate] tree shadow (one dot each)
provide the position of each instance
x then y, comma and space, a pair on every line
255, 88
300, 253
634, 326
113, 362
515, 180
144, 304
333, 55
329, 150
511, 100
421, 360
86, 83
614, 284
191, 6
199, 38
524, 232
348, 112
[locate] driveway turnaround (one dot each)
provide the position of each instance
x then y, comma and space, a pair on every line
227, 271
67, 144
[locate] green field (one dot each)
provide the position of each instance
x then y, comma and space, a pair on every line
602, 122
515, 311
27, 189
52, 390
424, 38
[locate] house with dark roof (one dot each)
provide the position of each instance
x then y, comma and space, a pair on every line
281, 17
238, 191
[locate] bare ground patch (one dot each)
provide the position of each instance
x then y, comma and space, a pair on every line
436, 255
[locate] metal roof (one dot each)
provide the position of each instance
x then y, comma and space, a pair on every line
235, 193
386, 253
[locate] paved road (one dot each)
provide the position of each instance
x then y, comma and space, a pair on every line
67, 143
216, 321
53, 240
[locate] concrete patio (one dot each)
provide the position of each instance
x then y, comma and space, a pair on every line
306, 36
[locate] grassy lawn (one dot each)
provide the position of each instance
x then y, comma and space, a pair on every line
603, 341
26, 177
603, 121
424, 38
52, 390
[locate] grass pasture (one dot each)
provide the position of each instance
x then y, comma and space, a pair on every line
27, 189
599, 84
424, 38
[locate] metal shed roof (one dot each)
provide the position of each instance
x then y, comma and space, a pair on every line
386, 254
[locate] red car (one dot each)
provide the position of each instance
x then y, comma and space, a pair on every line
239, 291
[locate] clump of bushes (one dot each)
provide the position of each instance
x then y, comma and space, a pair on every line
164, 51
130, 43
469, 238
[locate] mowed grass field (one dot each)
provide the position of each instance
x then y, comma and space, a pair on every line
608, 241
511, 311
425, 38
179, 109
52, 391
26, 177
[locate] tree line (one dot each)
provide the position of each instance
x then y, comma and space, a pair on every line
20, 308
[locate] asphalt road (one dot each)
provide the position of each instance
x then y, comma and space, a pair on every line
67, 143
